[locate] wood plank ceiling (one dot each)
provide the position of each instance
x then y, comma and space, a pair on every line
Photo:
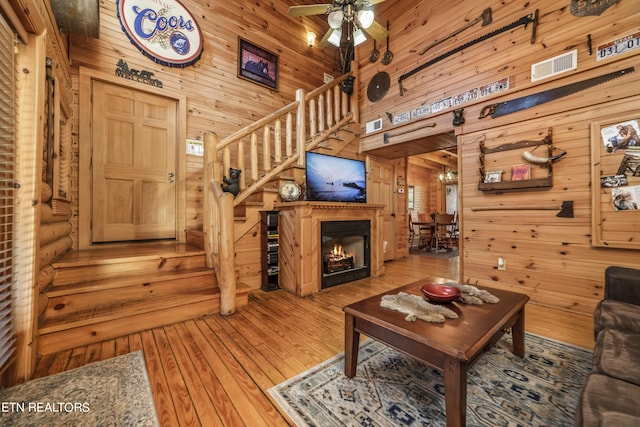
427, 144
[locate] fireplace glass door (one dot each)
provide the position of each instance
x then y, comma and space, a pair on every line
345, 251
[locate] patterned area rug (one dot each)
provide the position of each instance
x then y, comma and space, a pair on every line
113, 392
391, 389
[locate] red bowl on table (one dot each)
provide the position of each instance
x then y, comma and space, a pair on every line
440, 293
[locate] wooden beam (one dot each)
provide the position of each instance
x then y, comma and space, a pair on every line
14, 20
29, 15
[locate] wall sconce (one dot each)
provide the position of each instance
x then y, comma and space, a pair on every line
311, 38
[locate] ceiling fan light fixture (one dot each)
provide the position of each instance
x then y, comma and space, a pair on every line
335, 19
358, 37
335, 38
365, 17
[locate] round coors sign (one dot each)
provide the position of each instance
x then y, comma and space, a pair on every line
166, 33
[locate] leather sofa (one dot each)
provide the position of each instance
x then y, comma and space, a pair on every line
610, 394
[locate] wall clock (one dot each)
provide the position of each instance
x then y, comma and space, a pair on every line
289, 191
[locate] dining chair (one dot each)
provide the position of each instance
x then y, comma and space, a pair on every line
443, 236
455, 230
412, 230
423, 234
425, 229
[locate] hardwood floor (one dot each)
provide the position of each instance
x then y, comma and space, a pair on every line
215, 371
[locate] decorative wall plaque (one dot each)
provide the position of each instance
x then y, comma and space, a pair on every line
590, 7
142, 76
164, 31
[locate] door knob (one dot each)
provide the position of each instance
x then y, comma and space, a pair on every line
171, 177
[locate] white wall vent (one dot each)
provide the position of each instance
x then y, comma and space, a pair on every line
551, 67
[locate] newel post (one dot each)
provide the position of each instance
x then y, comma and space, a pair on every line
210, 207
227, 273
355, 109
301, 126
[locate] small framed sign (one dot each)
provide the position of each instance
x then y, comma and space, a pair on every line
257, 65
520, 172
493, 176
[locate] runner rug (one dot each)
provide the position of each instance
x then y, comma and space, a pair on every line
391, 389
112, 392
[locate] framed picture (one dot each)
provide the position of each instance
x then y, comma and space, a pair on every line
621, 135
626, 198
493, 176
630, 164
615, 181
257, 64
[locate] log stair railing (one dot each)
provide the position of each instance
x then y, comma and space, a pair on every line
263, 151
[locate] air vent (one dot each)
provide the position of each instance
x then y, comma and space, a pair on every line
553, 66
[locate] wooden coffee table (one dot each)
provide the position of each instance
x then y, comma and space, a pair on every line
453, 346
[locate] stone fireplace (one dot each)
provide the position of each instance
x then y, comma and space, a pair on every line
345, 251
306, 265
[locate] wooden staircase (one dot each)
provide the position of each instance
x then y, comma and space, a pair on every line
101, 294
325, 118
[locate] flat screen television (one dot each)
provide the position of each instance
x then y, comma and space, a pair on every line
335, 179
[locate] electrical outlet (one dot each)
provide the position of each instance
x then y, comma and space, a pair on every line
502, 264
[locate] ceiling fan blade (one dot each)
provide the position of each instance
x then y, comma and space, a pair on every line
372, 2
313, 9
377, 31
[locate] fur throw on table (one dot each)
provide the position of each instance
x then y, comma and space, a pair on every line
415, 307
473, 295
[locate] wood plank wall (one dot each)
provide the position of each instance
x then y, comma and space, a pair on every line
427, 186
548, 257
217, 100
41, 235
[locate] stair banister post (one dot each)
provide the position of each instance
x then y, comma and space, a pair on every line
301, 127
354, 96
210, 206
227, 273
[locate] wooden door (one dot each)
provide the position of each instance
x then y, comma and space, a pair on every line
380, 191
134, 164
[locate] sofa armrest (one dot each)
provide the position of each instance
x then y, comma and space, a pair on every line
616, 315
622, 284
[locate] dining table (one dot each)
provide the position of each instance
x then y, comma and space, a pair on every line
432, 229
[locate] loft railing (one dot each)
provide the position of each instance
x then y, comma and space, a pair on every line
262, 151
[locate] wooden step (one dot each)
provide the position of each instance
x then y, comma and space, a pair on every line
64, 300
195, 238
107, 263
116, 290
126, 309
92, 326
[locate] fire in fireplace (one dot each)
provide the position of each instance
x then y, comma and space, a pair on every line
338, 260
345, 251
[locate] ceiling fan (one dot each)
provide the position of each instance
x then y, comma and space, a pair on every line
357, 14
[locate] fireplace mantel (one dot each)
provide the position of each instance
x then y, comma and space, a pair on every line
299, 230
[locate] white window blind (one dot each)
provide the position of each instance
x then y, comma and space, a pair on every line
7, 156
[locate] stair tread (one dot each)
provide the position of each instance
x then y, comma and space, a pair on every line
97, 315
122, 281
114, 255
